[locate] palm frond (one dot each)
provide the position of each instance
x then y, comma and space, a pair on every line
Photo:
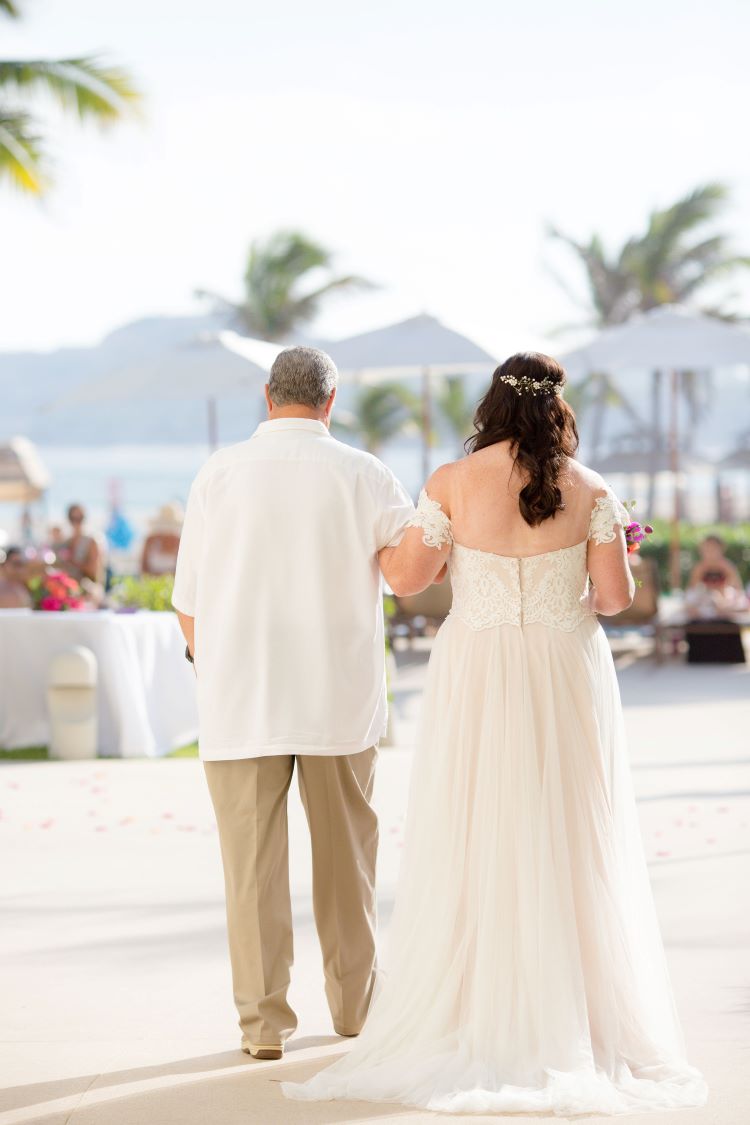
456, 406
21, 157
662, 244
278, 298
610, 289
383, 411
85, 86
304, 309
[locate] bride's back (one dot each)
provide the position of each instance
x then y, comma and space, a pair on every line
520, 493
482, 493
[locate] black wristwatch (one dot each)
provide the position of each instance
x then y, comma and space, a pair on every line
188, 657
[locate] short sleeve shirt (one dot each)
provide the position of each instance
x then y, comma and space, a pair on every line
278, 565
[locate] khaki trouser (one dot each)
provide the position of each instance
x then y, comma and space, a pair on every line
250, 801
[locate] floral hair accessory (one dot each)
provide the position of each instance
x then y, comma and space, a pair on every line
524, 384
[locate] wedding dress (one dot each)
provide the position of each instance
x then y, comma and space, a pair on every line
526, 971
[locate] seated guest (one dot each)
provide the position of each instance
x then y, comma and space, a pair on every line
80, 555
14, 593
714, 598
162, 543
713, 569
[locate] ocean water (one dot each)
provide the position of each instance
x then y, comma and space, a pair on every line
143, 477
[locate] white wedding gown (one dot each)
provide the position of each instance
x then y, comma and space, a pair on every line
525, 971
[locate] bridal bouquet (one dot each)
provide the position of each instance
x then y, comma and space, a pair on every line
56, 591
634, 532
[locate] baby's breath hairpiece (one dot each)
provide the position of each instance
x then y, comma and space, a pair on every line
523, 384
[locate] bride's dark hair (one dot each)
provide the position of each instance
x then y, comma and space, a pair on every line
538, 423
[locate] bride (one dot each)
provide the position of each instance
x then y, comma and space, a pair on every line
526, 971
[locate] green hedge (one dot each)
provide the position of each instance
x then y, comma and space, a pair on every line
149, 592
736, 538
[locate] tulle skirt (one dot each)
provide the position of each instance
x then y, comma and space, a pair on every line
525, 970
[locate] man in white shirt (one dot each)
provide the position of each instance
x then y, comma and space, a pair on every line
279, 594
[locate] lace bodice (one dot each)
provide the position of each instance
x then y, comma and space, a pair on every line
491, 589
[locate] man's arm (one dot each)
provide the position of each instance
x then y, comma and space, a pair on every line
186, 573
412, 566
187, 624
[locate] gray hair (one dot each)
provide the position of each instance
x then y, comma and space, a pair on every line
302, 377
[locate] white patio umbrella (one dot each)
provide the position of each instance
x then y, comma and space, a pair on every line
673, 339
23, 476
210, 366
670, 338
421, 346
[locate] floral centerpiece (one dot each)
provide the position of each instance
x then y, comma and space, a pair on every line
56, 592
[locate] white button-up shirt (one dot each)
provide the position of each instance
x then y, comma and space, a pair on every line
278, 566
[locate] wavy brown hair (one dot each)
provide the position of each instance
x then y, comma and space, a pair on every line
539, 425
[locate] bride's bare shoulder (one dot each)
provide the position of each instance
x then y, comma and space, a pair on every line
441, 484
583, 479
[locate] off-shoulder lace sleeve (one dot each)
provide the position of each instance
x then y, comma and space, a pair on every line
607, 513
436, 527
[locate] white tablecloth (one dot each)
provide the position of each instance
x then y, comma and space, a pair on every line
146, 692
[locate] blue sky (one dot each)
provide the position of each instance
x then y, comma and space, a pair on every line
428, 143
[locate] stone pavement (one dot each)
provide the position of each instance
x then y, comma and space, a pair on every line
115, 1001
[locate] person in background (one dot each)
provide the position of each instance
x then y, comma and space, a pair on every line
713, 569
14, 593
80, 555
56, 536
162, 543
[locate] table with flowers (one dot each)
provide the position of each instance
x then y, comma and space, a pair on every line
146, 689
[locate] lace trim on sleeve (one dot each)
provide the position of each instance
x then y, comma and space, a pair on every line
607, 513
436, 526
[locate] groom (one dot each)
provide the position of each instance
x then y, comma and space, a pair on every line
279, 596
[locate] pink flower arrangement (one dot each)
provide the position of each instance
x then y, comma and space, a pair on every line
635, 533
56, 592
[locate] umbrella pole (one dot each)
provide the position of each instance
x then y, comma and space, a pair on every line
426, 422
213, 425
674, 464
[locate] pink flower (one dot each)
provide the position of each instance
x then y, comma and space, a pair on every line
51, 604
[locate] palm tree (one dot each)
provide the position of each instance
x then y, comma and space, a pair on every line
671, 261
283, 285
83, 86
382, 412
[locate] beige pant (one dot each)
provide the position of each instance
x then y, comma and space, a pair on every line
250, 801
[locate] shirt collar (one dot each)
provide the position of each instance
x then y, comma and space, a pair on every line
277, 425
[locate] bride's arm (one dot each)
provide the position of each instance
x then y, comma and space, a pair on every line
608, 567
421, 557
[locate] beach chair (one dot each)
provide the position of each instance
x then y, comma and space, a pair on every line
643, 615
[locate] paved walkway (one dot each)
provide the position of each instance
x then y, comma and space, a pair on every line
115, 1001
